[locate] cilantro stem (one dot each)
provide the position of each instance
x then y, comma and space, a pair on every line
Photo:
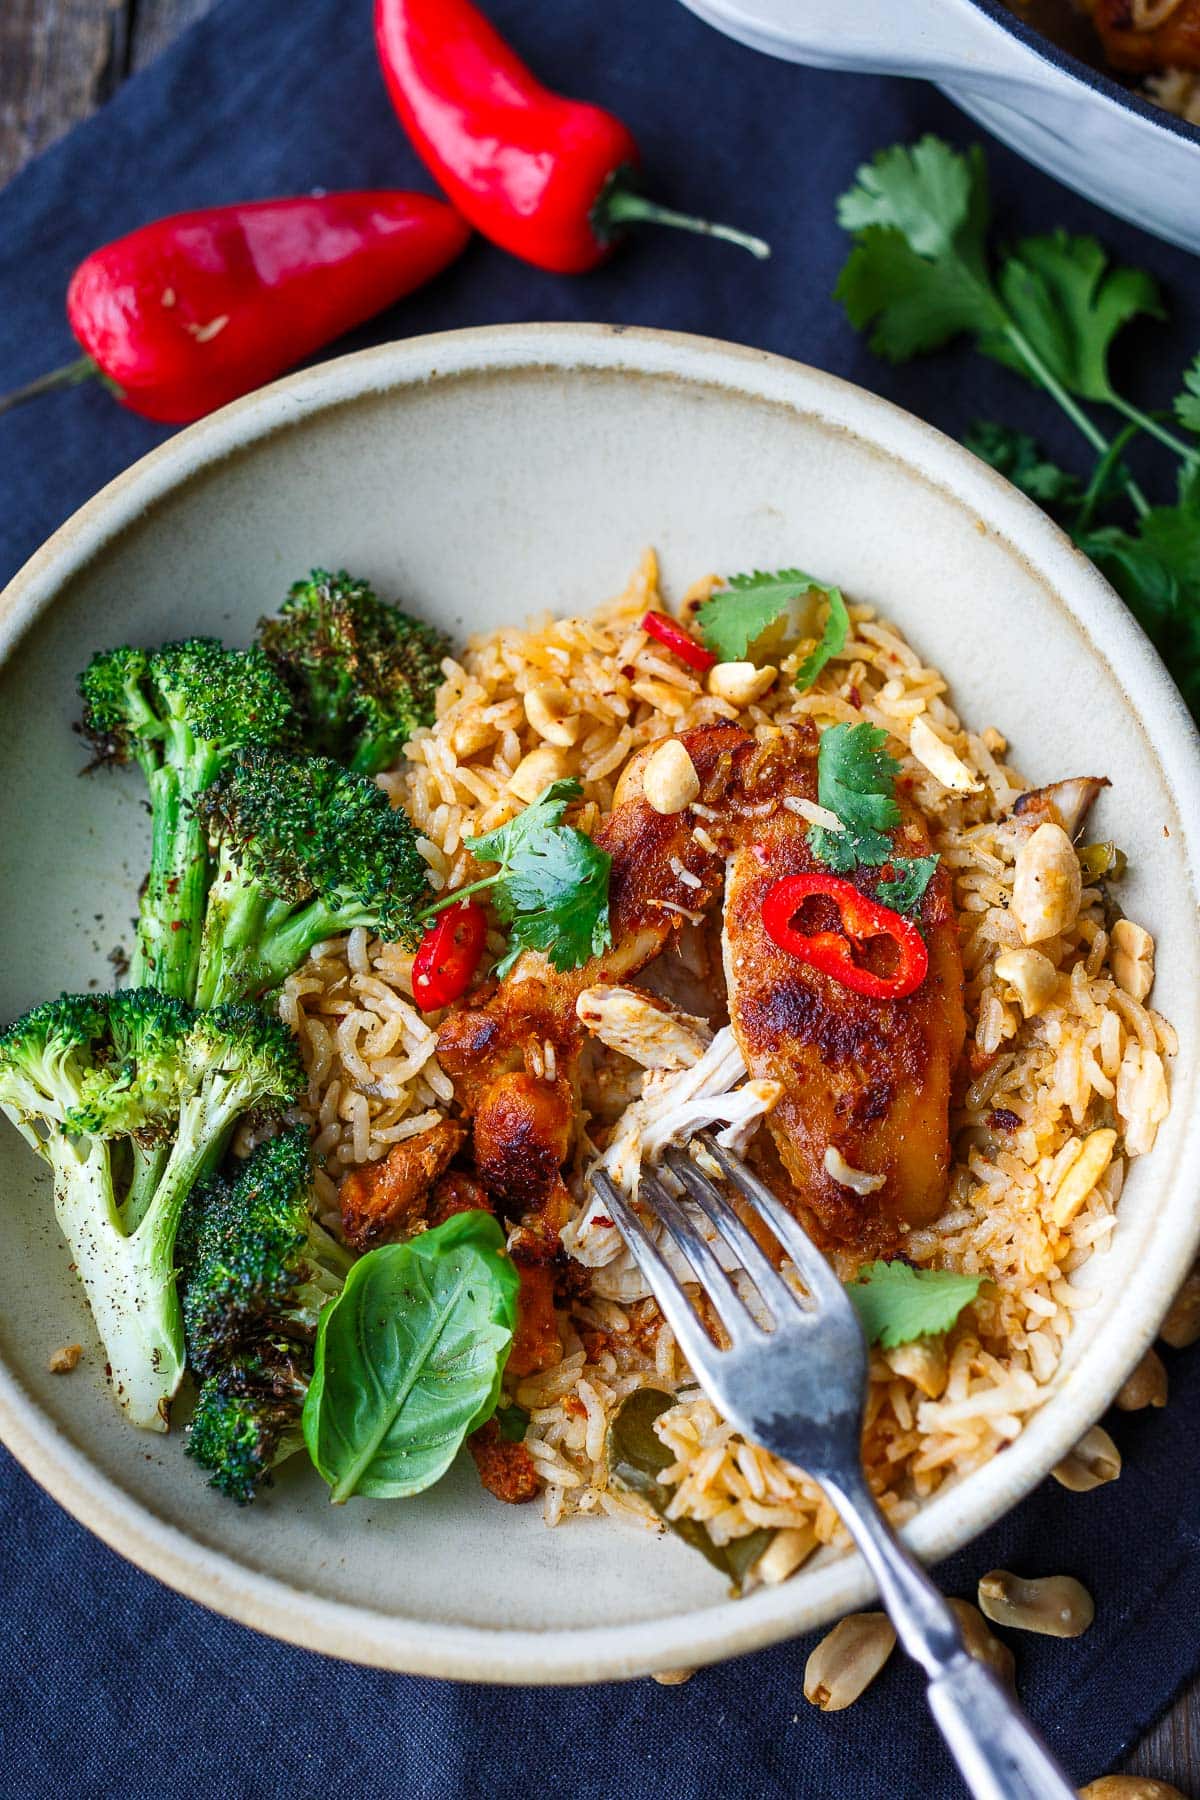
1101, 473
457, 894
1148, 423
1070, 406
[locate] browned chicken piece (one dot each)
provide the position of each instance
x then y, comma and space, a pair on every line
506, 1470
457, 1192
536, 1343
868, 1079
1142, 36
385, 1200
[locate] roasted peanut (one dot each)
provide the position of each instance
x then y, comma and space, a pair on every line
1094, 1461
1129, 1787
1047, 884
550, 710
1052, 1605
1181, 1326
1032, 977
672, 1677
1147, 1386
784, 1554
469, 734
847, 1660
63, 1360
1132, 959
536, 771
935, 754
983, 1644
740, 683
1080, 1177
669, 780
923, 1362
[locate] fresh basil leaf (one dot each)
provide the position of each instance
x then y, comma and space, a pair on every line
409, 1358
637, 1456
513, 1422
896, 1303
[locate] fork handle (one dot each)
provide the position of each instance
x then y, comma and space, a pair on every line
998, 1752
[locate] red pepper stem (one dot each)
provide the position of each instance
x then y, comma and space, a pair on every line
620, 205
68, 376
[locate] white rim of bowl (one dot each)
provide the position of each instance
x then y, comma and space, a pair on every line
712, 1632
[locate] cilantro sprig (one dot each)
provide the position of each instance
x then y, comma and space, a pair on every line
856, 779
747, 604
922, 272
896, 1303
551, 886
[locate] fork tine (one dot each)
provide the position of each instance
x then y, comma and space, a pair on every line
712, 1202
730, 1308
676, 1308
818, 1277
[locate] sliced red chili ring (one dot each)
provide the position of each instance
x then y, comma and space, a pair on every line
837, 951
449, 955
679, 642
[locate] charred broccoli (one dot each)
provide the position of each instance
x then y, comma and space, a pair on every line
82, 1073
256, 1270
364, 674
179, 712
306, 849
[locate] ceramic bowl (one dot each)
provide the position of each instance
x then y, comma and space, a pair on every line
482, 475
1070, 119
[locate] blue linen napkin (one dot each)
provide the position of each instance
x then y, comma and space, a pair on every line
109, 1683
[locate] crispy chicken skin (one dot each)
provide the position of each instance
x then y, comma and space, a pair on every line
385, 1200
868, 1078
1175, 44
506, 1470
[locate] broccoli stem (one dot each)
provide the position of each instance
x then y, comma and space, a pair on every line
251, 943
131, 1294
167, 952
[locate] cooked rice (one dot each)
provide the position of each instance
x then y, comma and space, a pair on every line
1095, 1057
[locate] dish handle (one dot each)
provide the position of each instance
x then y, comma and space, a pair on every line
935, 39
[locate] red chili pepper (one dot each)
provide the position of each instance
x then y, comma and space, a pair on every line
449, 955
190, 312
553, 180
834, 952
679, 642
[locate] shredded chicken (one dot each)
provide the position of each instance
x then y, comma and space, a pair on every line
643, 1027
386, 1200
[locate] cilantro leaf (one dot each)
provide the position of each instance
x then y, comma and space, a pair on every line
1016, 455
896, 1303
731, 620
856, 779
906, 889
1187, 404
919, 271
1069, 304
552, 885
832, 642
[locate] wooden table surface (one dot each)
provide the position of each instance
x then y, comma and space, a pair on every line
59, 60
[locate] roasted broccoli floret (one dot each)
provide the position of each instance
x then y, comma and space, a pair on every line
306, 850
364, 674
82, 1073
179, 712
255, 1269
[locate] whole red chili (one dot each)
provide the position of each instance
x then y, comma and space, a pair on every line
679, 642
449, 955
190, 312
553, 180
836, 951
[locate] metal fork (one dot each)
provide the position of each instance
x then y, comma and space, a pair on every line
799, 1389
